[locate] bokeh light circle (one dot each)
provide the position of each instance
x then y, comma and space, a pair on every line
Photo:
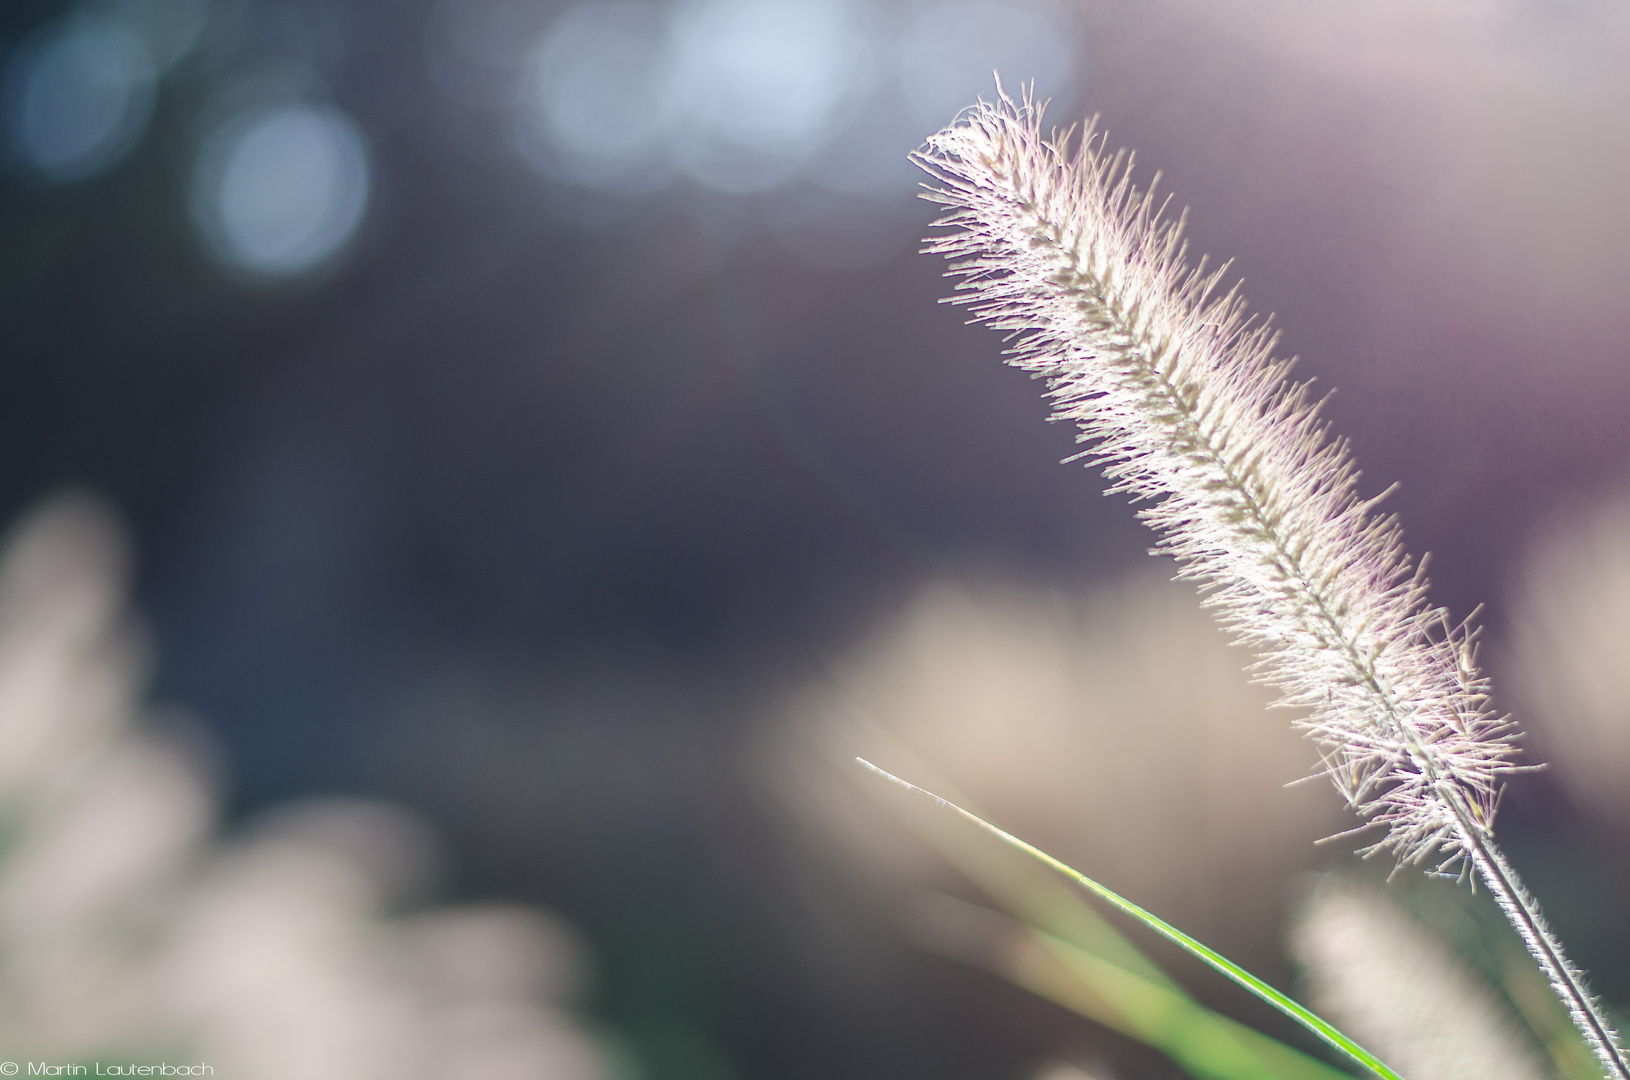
280, 191
77, 98
748, 96
760, 84
170, 29
595, 99
951, 49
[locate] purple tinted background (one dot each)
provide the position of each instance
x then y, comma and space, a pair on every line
528, 513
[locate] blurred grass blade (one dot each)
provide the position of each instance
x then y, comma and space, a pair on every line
1027, 890
1284, 1004
1206, 1044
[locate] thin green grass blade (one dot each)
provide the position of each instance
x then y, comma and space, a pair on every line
1028, 890
1204, 1042
1290, 1008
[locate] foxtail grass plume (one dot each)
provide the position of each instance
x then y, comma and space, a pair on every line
1189, 411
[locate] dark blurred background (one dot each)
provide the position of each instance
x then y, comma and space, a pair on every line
514, 402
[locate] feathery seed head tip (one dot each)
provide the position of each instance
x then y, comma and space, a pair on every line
1189, 412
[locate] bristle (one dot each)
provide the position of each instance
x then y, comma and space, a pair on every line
1188, 411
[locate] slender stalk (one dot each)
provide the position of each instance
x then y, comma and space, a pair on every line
1187, 408
1567, 981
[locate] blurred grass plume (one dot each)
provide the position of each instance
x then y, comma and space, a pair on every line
131, 931
1569, 653
1401, 990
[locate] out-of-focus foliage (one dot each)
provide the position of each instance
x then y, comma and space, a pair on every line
1435, 976
1403, 992
1570, 655
1099, 974
1119, 727
1118, 731
129, 931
